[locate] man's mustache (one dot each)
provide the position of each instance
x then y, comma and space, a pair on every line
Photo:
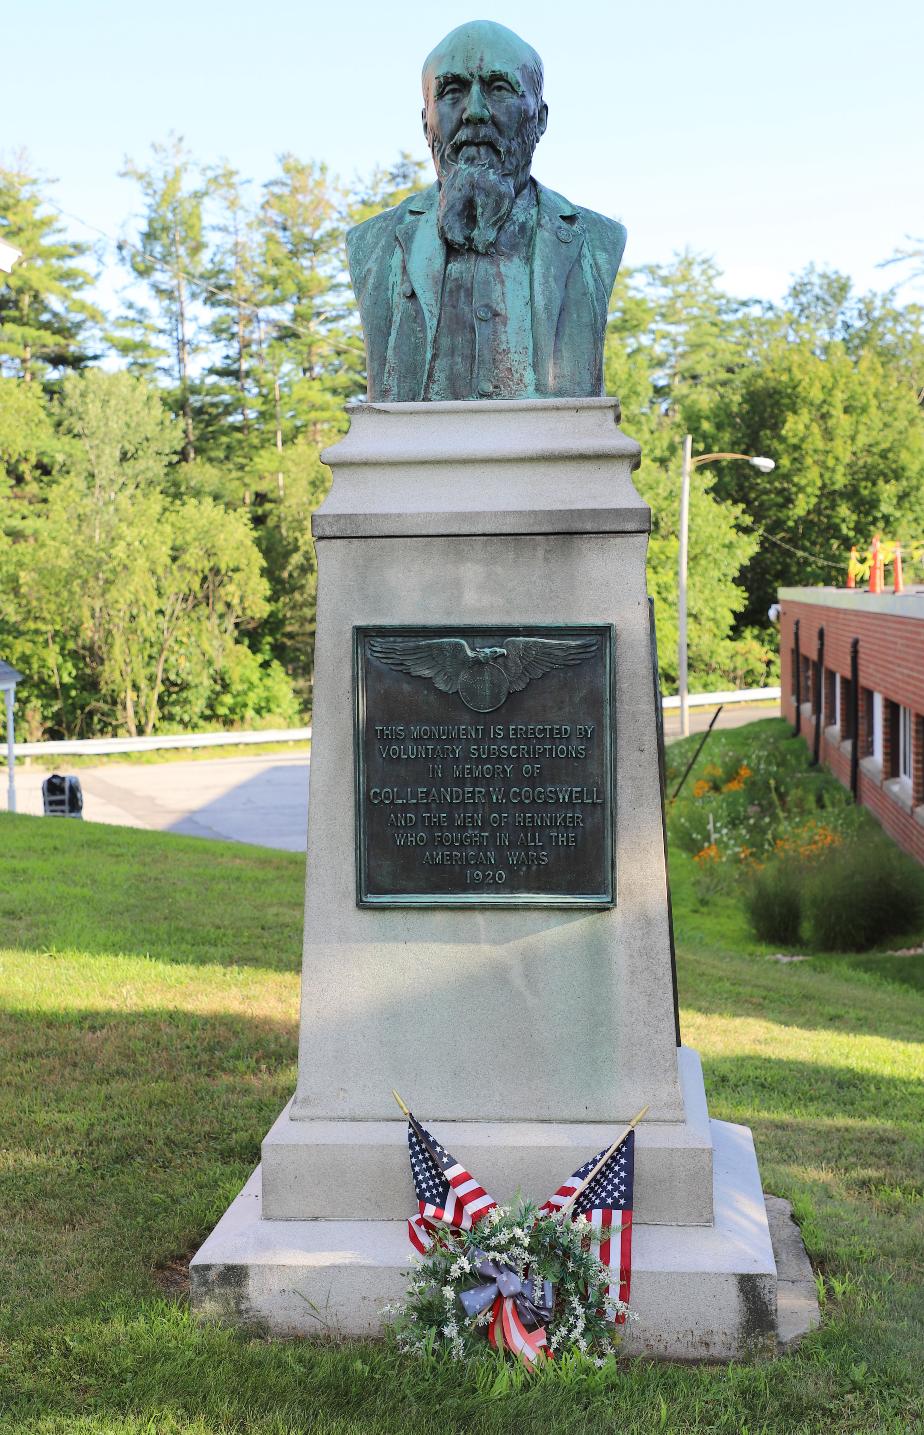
476, 135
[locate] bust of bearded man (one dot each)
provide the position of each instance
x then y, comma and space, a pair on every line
487, 285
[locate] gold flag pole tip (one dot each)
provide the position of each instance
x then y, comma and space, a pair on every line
401, 1103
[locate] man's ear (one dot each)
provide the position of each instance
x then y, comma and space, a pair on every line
543, 119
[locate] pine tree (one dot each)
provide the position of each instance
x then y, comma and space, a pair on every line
229, 420
168, 257
45, 323
311, 361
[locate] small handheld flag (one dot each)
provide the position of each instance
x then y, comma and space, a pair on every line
446, 1193
600, 1192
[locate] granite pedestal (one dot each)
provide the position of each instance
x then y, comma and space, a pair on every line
524, 1037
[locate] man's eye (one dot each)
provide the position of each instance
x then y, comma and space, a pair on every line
501, 87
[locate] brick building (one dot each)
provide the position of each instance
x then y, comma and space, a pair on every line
852, 677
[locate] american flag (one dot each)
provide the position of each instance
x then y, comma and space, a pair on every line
446, 1193
605, 1201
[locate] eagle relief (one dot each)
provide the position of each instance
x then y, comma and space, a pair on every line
482, 676
484, 766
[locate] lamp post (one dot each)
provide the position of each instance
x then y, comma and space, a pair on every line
764, 465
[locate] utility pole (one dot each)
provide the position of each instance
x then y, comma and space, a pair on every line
682, 586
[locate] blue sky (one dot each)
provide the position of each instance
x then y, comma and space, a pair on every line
766, 135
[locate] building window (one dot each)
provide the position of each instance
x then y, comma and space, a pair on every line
867, 720
904, 745
838, 700
877, 727
830, 690
793, 674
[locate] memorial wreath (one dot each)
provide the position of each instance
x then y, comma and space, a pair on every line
532, 1280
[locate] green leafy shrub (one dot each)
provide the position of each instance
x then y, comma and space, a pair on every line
773, 901
860, 894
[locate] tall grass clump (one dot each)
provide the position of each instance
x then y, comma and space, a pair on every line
773, 902
861, 894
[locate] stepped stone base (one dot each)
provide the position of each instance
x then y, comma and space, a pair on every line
304, 1162
698, 1292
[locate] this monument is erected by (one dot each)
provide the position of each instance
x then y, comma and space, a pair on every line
487, 920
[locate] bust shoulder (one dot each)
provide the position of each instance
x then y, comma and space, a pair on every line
364, 239
605, 238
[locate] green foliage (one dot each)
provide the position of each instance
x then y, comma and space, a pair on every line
45, 323
160, 339
773, 900
671, 344
861, 895
129, 610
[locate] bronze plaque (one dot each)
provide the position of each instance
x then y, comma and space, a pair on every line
484, 766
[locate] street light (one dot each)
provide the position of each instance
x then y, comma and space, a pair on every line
763, 465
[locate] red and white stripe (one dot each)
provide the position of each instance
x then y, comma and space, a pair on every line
620, 1223
466, 1203
507, 1329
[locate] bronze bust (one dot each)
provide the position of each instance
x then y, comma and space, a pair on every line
487, 285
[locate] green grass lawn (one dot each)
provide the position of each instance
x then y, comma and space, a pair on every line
148, 1019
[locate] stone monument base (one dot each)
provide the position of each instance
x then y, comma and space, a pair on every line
526, 1031
698, 1292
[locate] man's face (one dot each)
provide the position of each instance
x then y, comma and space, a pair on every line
481, 109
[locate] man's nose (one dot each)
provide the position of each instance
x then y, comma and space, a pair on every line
476, 108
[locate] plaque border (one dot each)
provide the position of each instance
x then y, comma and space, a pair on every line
597, 901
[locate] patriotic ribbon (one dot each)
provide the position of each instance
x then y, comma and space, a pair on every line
519, 1307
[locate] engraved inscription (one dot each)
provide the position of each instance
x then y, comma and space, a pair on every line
484, 766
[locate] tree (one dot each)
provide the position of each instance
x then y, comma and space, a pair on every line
126, 606
168, 258
45, 322
229, 418
311, 362
672, 342
847, 435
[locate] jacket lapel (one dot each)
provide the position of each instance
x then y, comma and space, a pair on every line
558, 244
424, 259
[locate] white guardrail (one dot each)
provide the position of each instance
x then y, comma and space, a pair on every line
737, 695
88, 746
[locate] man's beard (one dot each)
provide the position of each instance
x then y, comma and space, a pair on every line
476, 197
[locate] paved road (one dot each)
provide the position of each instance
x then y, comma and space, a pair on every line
241, 799
734, 715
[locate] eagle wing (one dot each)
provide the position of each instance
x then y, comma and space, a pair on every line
528, 658
441, 659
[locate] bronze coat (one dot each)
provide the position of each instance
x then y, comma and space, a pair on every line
397, 261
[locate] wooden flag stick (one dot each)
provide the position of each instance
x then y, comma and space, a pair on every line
602, 1162
407, 1113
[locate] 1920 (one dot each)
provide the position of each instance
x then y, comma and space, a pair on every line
475, 877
